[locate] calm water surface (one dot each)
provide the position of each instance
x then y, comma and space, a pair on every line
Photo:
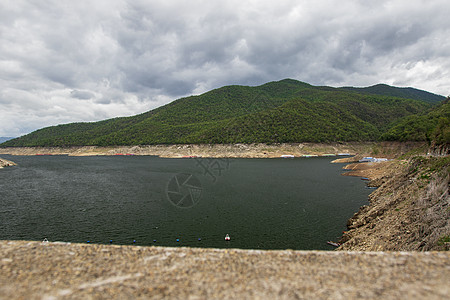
261, 203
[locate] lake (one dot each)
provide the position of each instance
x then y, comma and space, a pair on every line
261, 203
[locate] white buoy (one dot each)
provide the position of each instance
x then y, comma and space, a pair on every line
227, 237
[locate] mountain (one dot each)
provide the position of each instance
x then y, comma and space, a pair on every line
408, 93
5, 138
432, 125
275, 112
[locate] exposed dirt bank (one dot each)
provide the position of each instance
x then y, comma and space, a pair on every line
410, 210
218, 150
371, 170
6, 163
35, 270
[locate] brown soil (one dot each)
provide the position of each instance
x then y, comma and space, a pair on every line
370, 170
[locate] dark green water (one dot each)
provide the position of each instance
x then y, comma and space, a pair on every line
260, 203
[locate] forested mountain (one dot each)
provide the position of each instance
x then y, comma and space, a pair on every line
409, 93
276, 112
5, 138
432, 125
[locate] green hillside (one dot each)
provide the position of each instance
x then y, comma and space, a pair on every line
5, 138
283, 111
408, 93
431, 125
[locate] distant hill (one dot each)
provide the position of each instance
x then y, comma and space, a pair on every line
275, 112
408, 93
5, 138
431, 125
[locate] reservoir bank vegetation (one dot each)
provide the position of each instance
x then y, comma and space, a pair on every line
409, 208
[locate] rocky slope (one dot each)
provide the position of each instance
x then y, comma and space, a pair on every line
410, 210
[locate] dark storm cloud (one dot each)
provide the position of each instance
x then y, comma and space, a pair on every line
63, 61
83, 95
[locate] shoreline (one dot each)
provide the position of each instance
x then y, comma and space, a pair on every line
386, 149
408, 210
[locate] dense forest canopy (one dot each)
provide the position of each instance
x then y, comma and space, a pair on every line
431, 125
408, 93
276, 112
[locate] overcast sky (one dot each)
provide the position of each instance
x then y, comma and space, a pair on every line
68, 61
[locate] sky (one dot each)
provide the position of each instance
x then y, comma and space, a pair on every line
68, 61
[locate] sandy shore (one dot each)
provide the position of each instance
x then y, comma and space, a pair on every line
384, 149
178, 151
35, 270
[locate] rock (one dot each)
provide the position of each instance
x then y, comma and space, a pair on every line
6, 163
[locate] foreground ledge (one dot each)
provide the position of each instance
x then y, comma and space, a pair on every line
39, 270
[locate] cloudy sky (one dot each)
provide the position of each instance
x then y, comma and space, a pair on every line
67, 61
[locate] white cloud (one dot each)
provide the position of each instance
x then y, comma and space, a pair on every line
65, 61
